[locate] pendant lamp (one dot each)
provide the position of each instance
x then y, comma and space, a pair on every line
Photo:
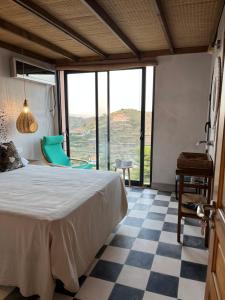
26, 122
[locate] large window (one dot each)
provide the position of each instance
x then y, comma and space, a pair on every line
81, 113
110, 117
125, 118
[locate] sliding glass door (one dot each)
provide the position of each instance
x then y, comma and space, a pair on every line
148, 123
125, 118
110, 117
81, 116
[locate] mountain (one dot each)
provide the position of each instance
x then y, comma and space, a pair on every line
128, 118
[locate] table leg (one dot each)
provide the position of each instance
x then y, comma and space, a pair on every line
128, 169
124, 175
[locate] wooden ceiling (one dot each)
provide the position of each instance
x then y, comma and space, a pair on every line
76, 32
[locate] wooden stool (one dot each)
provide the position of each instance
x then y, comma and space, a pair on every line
187, 198
122, 164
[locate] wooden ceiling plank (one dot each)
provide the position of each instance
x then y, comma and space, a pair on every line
107, 20
26, 52
43, 14
164, 24
35, 39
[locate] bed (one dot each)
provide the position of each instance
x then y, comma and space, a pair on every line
52, 223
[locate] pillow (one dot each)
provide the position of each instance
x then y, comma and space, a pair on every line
25, 162
9, 157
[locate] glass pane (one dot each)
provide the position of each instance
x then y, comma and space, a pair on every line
125, 118
102, 120
148, 124
81, 106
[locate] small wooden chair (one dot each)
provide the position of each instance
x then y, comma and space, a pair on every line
186, 198
187, 179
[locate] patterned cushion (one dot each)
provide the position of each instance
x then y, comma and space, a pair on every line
9, 157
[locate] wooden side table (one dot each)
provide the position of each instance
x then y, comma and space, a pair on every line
124, 173
122, 164
185, 198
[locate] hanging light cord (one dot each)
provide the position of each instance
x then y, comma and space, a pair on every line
24, 87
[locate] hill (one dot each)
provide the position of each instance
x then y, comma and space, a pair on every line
124, 136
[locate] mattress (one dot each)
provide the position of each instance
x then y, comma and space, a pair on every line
52, 223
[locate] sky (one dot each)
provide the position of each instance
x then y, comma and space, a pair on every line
125, 91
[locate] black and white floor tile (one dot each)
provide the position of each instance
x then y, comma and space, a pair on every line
141, 258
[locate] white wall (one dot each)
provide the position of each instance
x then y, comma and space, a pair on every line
181, 104
40, 100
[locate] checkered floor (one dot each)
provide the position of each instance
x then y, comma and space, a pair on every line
141, 258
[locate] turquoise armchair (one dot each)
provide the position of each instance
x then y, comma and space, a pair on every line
54, 154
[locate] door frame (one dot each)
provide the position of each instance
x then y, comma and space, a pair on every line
217, 232
142, 121
219, 218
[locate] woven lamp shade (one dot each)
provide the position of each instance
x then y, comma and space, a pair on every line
26, 122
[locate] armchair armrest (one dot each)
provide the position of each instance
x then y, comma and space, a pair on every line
76, 159
56, 165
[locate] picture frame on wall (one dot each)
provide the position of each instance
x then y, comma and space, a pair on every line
216, 92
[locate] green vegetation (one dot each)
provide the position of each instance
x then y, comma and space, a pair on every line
124, 139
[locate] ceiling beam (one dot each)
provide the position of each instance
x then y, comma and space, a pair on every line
35, 39
109, 67
43, 14
25, 52
164, 24
109, 64
108, 21
124, 59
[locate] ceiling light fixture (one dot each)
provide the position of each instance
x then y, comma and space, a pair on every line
26, 122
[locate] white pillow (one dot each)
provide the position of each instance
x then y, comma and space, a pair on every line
25, 162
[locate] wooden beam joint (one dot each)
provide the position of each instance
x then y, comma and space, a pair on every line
44, 15
164, 24
110, 23
28, 53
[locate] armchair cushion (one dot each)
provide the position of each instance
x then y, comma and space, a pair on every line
53, 151
53, 140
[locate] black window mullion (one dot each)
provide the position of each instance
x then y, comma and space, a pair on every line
108, 119
59, 102
67, 114
142, 135
152, 127
96, 120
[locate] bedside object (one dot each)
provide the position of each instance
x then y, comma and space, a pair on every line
124, 164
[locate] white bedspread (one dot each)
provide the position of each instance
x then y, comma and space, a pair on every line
52, 223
